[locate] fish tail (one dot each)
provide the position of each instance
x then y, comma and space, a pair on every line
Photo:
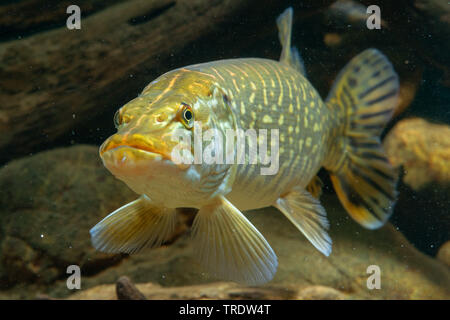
362, 101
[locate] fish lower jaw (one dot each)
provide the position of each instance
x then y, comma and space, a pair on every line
129, 162
125, 156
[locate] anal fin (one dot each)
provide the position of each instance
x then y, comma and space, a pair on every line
308, 215
230, 247
134, 226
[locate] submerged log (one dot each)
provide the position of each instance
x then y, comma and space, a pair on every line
126, 290
207, 291
61, 86
54, 81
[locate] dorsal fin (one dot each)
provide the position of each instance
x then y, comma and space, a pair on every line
289, 55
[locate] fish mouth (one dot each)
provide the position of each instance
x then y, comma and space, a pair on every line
131, 153
135, 151
135, 147
126, 161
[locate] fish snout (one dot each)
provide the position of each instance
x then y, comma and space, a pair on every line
136, 141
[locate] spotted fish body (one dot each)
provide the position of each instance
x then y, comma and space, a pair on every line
267, 94
340, 134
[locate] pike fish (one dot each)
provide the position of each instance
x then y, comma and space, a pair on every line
340, 133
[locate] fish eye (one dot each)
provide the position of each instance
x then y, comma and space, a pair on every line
117, 120
187, 115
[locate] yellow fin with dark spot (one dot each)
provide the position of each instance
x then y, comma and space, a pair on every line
315, 187
364, 97
134, 226
230, 247
289, 55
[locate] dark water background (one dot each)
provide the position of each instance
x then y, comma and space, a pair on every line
415, 39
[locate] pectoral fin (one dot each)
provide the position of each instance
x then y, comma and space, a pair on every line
308, 215
134, 226
230, 247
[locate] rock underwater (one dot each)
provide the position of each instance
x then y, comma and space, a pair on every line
71, 191
421, 151
49, 201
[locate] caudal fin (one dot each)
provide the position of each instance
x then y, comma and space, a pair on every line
364, 96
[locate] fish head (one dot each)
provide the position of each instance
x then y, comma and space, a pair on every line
154, 149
